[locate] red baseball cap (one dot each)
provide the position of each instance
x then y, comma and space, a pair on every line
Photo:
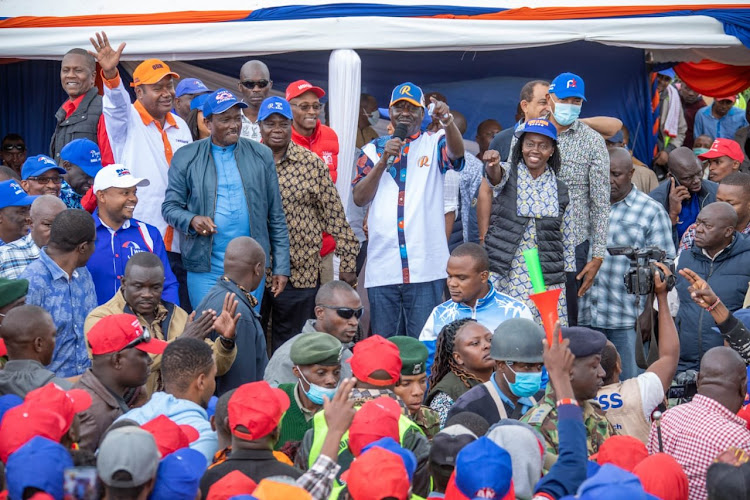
113, 333
724, 147
55, 398
258, 407
378, 418
296, 89
233, 484
169, 436
21, 423
373, 354
732, 98
377, 473
3, 349
623, 451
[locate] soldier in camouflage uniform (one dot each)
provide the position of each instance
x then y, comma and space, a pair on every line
413, 383
586, 377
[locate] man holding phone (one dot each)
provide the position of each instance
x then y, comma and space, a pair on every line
684, 193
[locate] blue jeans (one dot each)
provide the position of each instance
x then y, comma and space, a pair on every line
624, 341
410, 303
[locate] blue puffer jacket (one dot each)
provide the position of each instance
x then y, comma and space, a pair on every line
728, 275
192, 191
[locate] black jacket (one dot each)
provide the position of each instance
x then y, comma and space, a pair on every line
255, 464
82, 124
507, 228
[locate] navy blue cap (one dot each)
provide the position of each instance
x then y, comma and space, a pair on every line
41, 464
179, 475
190, 86
13, 195
537, 126
387, 443
584, 341
484, 466
274, 104
220, 101
37, 165
568, 85
198, 102
618, 137
612, 483
85, 154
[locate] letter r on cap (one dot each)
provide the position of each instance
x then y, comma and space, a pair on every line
406, 90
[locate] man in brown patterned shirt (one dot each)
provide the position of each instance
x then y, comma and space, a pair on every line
312, 205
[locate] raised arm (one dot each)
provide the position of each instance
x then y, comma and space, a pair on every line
669, 343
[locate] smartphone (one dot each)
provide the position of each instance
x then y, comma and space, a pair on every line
676, 180
80, 483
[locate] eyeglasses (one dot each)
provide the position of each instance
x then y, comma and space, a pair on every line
306, 107
17, 147
145, 337
46, 180
346, 312
251, 84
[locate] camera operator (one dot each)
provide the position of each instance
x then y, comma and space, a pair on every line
721, 257
629, 403
635, 220
732, 327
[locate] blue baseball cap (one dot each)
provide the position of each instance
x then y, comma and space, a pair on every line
198, 102
190, 86
85, 154
13, 195
618, 137
568, 85
612, 483
537, 126
408, 92
179, 475
667, 72
387, 443
8, 401
40, 463
272, 105
482, 466
219, 101
37, 165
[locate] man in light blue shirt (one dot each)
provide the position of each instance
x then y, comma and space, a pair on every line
60, 283
472, 296
720, 119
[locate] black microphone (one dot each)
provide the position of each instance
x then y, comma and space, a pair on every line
400, 133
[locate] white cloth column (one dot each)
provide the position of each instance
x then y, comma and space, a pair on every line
344, 87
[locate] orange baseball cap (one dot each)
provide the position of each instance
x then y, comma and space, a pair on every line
270, 490
233, 484
151, 71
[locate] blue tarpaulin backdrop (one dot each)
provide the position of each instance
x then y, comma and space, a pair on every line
479, 84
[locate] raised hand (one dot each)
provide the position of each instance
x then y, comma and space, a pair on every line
226, 323
559, 362
107, 57
200, 328
340, 411
700, 292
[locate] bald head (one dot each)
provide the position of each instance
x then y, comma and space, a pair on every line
715, 227
245, 262
720, 214
47, 204
250, 68
29, 333
620, 158
686, 168
723, 377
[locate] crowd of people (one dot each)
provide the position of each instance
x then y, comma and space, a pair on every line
181, 315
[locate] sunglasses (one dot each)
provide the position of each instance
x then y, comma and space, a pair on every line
306, 107
46, 180
11, 147
250, 84
145, 337
347, 312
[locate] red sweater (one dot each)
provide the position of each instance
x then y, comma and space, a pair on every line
325, 143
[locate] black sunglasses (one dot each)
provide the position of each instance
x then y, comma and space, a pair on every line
347, 312
250, 84
145, 337
17, 147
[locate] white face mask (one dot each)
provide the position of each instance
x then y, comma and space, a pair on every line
373, 118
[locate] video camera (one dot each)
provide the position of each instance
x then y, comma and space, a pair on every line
685, 386
639, 280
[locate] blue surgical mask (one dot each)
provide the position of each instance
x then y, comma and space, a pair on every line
316, 392
700, 151
565, 114
526, 384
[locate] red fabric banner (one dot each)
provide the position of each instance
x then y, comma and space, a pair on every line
714, 79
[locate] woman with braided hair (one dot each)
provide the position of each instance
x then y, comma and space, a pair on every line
462, 361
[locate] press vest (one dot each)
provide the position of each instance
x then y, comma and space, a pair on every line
623, 405
320, 430
82, 124
507, 228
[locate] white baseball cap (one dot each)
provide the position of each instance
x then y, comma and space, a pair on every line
118, 176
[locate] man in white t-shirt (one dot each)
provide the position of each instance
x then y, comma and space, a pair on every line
403, 178
629, 404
